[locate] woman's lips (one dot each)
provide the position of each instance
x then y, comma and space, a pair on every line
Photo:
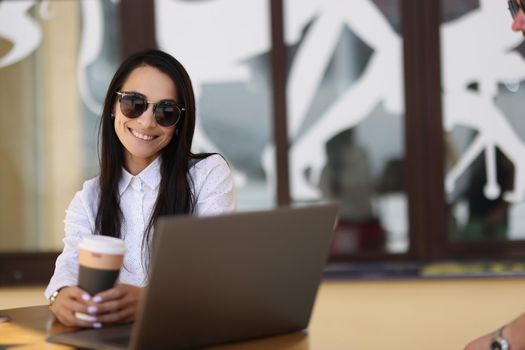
142, 136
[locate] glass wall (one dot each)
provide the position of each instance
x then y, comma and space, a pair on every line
347, 125
56, 59
346, 118
225, 46
483, 121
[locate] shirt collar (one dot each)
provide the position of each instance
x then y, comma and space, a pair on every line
150, 176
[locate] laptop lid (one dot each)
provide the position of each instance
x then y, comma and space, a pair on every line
233, 277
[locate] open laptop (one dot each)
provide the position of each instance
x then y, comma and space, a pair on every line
225, 278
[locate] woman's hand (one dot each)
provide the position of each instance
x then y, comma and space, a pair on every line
482, 343
69, 301
116, 305
513, 332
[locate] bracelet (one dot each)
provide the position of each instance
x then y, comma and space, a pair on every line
499, 342
53, 296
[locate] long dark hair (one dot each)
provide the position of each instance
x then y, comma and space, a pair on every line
176, 195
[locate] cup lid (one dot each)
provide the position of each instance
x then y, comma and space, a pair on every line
103, 244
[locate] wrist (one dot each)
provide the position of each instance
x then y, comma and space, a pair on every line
54, 296
514, 333
499, 340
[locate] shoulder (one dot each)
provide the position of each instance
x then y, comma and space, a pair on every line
91, 188
213, 186
88, 195
212, 163
210, 172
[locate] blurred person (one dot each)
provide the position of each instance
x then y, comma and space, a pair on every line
512, 335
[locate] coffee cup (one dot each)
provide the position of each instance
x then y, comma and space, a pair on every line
100, 259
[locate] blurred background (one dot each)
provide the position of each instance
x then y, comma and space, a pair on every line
421, 140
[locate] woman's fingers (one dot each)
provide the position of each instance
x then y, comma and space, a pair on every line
74, 306
109, 306
66, 315
116, 292
118, 304
69, 319
78, 293
68, 302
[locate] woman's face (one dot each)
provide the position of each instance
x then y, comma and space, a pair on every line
142, 137
518, 24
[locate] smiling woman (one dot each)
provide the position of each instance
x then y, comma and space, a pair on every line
147, 169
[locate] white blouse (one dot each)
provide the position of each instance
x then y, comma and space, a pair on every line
214, 195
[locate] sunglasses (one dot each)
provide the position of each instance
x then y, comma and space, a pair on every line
514, 7
166, 112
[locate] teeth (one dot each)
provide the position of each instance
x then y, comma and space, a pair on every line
142, 136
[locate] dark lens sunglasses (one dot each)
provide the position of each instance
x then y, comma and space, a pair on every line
514, 8
166, 112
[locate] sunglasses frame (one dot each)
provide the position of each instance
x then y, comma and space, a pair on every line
514, 7
122, 94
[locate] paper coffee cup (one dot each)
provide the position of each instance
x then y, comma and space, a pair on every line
100, 259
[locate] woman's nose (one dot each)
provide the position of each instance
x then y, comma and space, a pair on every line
519, 21
147, 119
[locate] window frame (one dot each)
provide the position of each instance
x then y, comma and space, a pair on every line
424, 143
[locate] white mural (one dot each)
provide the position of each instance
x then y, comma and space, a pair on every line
221, 51
213, 39
20, 28
466, 60
487, 62
381, 80
91, 41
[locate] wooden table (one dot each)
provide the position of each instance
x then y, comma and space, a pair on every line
416, 314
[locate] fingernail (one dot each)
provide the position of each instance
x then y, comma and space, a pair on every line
86, 297
84, 317
92, 309
97, 299
97, 325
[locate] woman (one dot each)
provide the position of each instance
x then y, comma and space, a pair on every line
512, 335
147, 170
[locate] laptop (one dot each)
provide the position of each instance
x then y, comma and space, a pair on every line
224, 279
